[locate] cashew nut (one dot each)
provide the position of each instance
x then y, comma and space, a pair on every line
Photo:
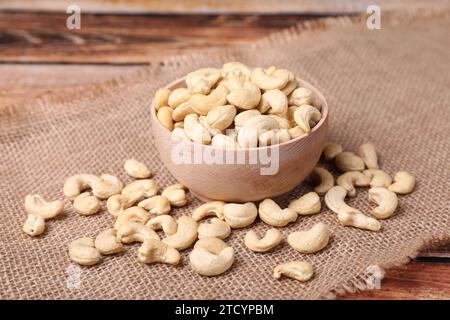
404, 183
221, 117
296, 132
117, 203
34, 225
83, 251
161, 98
178, 134
331, 150
176, 194
268, 82
186, 234
271, 213
351, 179
202, 104
136, 169
301, 96
240, 215
139, 189
157, 205
273, 137
178, 96
107, 186
283, 122
36, 205
182, 111
164, 116
387, 202
74, 185
348, 161
249, 133
222, 141
130, 232
215, 229
86, 204
134, 214
305, 115
212, 208
202, 80
298, 270
273, 102
108, 243
378, 177
324, 178
290, 87
271, 239
153, 250
310, 241
358, 220
241, 118
246, 97
164, 222
368, 154
307, 204
233, 67
195, 131
211, 257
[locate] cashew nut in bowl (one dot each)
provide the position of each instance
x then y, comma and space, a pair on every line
271, 213
215, 229
301, 96
249, 133
307, 204
268, 82
202, 80
212, 208
358, 220
86, 204
161, 98
157, 205
283, 123
130, 232
108, 243
240, 215
83, 252
74, 185
331, 150
247, 97
221, 117
134, 214
378, 178
140, 189
325, 180
202, 104
178, 134
368, 154
242, 117
164, 116
211, 257
234, 67
164, 222
182, 111
290, 87
275, 136
298, 270
310, 241
107, 186
271, 239
387, 202
351, 179
117, 203
34, 225
404, 183
296, 132
178, 96
334, 199
186, 234
36, 205
274, 102
176, 194
348, 161
152, 251
222, 141
136, 169
304, 115
195, 131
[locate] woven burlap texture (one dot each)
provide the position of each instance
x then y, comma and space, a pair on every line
386, 86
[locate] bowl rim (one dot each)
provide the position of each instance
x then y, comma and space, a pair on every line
317, 92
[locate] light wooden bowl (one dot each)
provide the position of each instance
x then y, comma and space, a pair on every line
244, 182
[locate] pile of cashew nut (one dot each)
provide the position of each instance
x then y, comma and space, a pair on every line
238, 107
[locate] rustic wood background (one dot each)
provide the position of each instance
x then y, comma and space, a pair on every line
39, 55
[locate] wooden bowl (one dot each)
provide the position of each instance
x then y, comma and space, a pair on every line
242, 182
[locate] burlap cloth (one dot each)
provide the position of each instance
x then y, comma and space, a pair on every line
388, 86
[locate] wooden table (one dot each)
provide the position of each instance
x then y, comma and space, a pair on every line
39, 44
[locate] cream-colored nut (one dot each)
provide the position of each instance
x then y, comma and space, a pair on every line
211, 257
136, 169
348, 161
178, 96
301, 96
176, 194
368, 154
351, 179
186, 234
107, 242
335, 200
221, 117
212, 208
83, 251
158, 205
240, 215
358, 220
35, 204
246, 97
305, 115
283, 123
161, 98
117, 203
153, 251
271, 239
222, 141
195, 130
268, 82
202, 80
242, 117
215, 229
86, 204
107, 186
378, 177
271, 213
323, 179
331, 150
233, 67
274, 102
202, 104
178, 134
270, 70
140, 189
164, 222
182, 111
130, 232
310, 241
404, 183
298, 270
281, 73
387, 202
133, 214
290, 87
74, 185
273, 137
290, 114
296, 132
179, 125
34, 225
249, 133
307, 204
164, 116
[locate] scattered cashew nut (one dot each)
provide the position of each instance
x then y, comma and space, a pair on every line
134, 214
331, 150
271, 213
107, 186
217, 228
86, 204
152, 251
130, 232
157, 205
164, 222
378, 178
186, 234
136, 169
387, 202
325, 180
240, 215
368, 154
74, 185
108, 243
36, 205
83, 251
298, 270
351, 179
176, 194
211, 257
310, 241
348, 161
307, 204
271, 239
140, 189
212, 208
404, 183
34, 225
